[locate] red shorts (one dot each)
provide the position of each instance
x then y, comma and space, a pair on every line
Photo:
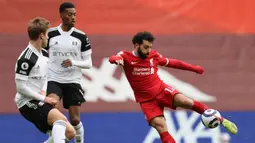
155, 107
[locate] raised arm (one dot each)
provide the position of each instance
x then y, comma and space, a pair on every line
178, 64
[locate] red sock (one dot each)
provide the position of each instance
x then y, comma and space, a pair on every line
166, 138
199, 107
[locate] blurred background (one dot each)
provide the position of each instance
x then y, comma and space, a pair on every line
216, 34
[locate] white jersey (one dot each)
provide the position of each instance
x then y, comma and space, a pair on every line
66, 45
31, 68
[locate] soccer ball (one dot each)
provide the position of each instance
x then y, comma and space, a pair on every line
211, 118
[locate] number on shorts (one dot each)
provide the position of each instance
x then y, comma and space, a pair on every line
170, 89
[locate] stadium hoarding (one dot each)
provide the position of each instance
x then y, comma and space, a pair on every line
131, 127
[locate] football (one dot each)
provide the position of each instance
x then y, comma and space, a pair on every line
211, 118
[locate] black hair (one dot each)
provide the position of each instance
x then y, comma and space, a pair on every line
140, 36
65, 5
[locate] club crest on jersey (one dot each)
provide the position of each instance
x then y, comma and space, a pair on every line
74, 43
151, 62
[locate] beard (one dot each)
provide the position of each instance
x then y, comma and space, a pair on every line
141, 54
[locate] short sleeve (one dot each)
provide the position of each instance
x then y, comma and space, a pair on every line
121, 53
23, 68
85, 45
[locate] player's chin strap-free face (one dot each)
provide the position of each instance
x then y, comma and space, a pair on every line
68, 17
44, 38
141, 54
144, 49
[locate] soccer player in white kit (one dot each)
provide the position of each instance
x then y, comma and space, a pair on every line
31, 71
69, 52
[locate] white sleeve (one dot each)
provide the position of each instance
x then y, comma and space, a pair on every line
44, 88
26, 91
86, 62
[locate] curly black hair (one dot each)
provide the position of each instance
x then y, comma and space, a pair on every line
65, 5
140, 36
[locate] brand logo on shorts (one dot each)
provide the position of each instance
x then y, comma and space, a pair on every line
32, 105
41, 103
132, 63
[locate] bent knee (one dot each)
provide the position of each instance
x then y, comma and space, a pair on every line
70, 132
159, 124
53, 95
75, 120
55, 115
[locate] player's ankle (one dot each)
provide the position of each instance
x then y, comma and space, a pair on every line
222, 119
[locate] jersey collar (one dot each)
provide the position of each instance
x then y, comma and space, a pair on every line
65, 32
133, 52
34, 49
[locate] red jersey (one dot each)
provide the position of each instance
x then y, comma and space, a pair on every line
142, 74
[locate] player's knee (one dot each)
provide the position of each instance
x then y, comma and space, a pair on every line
70, 132
53, 95
159, 124
74, 113
75, 120
55, 115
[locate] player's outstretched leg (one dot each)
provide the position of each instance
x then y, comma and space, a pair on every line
62, 129
184, 102
74, 113
159, 124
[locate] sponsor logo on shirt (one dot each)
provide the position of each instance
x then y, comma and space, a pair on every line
143, 71
37, 77
65, 54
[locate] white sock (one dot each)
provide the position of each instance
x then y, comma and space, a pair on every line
58, 131
50, 139
79, 138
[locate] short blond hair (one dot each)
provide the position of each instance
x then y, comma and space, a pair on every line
37, 26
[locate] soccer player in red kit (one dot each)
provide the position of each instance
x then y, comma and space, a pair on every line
141, 67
